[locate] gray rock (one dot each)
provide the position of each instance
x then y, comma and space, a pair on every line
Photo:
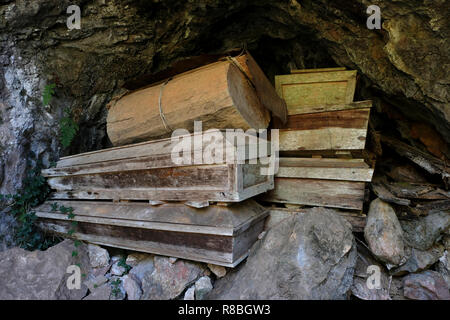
168, 281
41, 275
422, 232
132, 287
427, 285
202, 287
101, 293
384, 234
95, 281
173, 260
143, 267
420, 260
98, 256
133, 259
117, 270
443, 267
219, 271
360, 287
189, 294
310, 255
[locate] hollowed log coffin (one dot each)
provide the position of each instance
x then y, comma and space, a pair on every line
211, 166
219, 235
227, 94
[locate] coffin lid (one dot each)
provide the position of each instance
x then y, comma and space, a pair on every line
214, 219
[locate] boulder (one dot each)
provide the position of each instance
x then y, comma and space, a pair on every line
42, 275
364, 272
131, 286
190, 294
143, 267
420, 260
427, 285
202, 287
169, 280
101, 293
219, 271
422, 232
309, 255
117, 270
95, 281
98, 256
384, 234
443, 267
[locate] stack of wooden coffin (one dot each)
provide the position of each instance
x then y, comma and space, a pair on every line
322, 141
166, 196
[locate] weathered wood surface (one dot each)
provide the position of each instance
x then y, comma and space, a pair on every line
316, 88
296, 71
424, 160
322, 168
276, 215
264, 89
315, 192
218, 94
331, 130
147, 171
215, 234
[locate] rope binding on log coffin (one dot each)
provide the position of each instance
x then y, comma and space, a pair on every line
161, 113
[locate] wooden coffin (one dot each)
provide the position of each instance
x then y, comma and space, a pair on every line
223, 95
336, 183
326, 127
219, 235
315, 88
146, 171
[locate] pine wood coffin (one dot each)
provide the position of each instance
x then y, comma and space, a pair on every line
309, 88
220, 235
146, 171
326, 127
228, 94
336, 183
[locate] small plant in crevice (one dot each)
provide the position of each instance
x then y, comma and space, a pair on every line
68, 128
115, 287
48, 93
122, 263
34, 192
73, 224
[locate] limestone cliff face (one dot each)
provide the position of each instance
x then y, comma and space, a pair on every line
405, 63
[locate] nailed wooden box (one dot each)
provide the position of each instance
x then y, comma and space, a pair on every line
336, 183
329, 127
146, 171
305, 89
219, 235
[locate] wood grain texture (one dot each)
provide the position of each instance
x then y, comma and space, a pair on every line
313, 192
296, 71
218, 94
329, 107
215, 234
316, 88
329, 169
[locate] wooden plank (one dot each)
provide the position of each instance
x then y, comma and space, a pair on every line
322, 139
264, 89
218, 94
326, 193
330, 169
353, 118
163, 148
317, 88
222, 220
329, 107
215, 234
297, 71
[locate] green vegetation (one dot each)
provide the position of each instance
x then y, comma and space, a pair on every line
68, 129
34, 192
48, 93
